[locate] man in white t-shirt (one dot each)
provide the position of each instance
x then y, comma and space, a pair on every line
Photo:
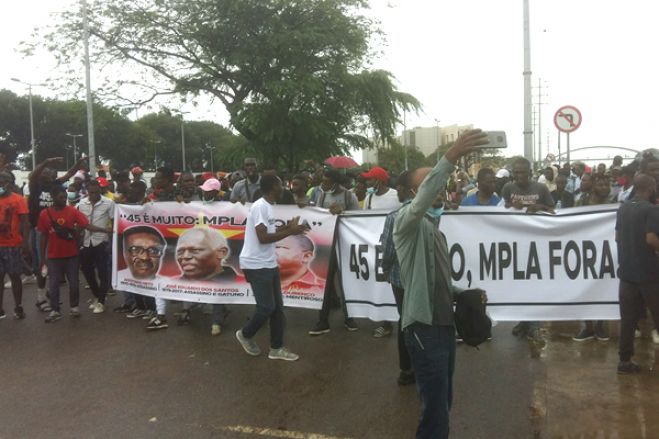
379, 194
258, 261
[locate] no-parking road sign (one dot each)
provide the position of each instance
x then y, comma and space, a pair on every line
567, 119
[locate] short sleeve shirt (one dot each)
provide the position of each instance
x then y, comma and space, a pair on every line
534, 193
11, 208
69, 217
255, 255
472, 200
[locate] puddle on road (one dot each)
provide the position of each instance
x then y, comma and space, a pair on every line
582, 396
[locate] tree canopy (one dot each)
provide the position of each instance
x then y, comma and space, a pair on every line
293, 75
123, 141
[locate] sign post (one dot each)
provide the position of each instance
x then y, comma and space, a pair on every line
567, 119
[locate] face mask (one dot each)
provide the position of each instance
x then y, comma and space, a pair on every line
72, 195
435, 212
330, 192
205, 201
370, 190
2, 191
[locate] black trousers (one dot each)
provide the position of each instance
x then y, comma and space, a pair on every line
632, 296
332, 287
93, 262
404, 361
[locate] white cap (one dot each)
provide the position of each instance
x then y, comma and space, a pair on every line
503, 173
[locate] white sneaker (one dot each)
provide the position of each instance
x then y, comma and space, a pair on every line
216, 329
29, 279
98, 308
637, 334
92, 303
655, 336
282, 354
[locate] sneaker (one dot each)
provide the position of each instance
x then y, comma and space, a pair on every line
248, 344
53, 316
382, 331
19, 314
31, 279
584, 335
99, 308
136, 313
406, 378
637, 333
148, 314
283, 354
321, 328
534, 336
602, 334
92, 303
157, 322
350, 325
43, 306
75, 312
183, 318
627, 367
124, 309
2, 315
655, 336
216, 329
521, 329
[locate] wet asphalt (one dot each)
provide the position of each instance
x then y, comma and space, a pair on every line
104, 376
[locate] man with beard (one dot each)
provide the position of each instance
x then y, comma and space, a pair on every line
42, 180
245, 190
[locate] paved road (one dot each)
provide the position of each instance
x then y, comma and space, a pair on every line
103, 376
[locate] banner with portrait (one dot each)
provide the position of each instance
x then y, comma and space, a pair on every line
190, 252
533, 267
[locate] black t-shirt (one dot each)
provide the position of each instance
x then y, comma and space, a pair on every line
38, 200
638, 261
566, 199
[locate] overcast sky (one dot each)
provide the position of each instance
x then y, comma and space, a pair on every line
464, 60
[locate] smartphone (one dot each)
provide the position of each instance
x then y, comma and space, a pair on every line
496, 139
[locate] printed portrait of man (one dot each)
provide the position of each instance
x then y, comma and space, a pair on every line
143, 248
294, 256
200, 253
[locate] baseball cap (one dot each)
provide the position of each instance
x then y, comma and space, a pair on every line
102, 182
212, 184
503, 173
378, 173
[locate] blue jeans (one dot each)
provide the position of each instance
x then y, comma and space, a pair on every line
266, 286
432, 349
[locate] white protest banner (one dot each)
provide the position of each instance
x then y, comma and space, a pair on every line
533, 267
190, 252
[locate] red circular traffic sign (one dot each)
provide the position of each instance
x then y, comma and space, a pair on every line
567, 118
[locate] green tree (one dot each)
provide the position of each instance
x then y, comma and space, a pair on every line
392, 158
293, 75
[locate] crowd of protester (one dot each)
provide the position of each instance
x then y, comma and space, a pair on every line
55, 227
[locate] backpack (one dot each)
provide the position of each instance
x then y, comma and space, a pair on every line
471, 321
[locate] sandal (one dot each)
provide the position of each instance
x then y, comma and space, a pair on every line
43, 306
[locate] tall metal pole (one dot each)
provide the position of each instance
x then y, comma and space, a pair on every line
75, 145
568, 148
539, 136
90, 109
183, 141
34, 153
438, 157
528, 128
559, 148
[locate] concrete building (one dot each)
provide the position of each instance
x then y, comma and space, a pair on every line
424, 139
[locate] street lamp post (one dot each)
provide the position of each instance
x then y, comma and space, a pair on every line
32, 145
210, 149
75, 146
181, 113
437, 122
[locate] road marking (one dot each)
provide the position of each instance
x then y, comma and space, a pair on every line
269, 432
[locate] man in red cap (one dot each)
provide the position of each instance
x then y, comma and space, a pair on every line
379, 194
105, 187
137, 173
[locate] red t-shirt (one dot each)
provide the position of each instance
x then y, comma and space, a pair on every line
69, 217
11, 207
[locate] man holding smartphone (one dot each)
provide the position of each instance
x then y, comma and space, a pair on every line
258, 261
